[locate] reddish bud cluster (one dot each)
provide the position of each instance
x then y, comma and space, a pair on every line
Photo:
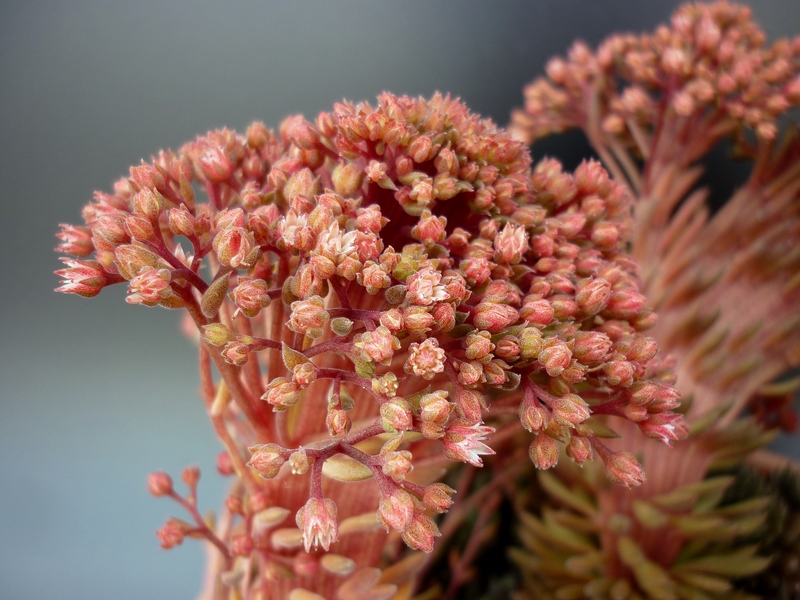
408, 257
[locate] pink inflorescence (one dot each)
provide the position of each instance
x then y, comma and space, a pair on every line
394, 274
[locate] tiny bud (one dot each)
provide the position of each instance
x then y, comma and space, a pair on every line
590, 346
436, 497
217, 334
420, 534
592, 295
494, 317
225, 464
299, 462
159, 484
397, 464
337, 422
266, 459
579, 450
533, 416
396, 510
171, 534
347, 179
191, 475
623, 468
543, 452
570, 410
531, 343
555, 357
396, 415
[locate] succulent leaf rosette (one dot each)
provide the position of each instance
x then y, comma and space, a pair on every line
379, 294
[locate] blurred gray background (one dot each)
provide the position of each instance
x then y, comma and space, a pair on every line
95, 394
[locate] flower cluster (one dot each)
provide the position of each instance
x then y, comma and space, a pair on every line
710, 67
724, 283
368, 286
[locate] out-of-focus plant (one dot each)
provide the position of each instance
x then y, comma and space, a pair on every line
726, 286
369, 289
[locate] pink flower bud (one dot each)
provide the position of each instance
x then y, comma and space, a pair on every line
250, 296
397, 464
149, 203
543, 451
159, 484
434, 407
396, 510
337, 422
470, 373
508, 348
139, 227
429, 229
436, 497
147, 176
235, 247
531, 343
225, 465
570, 410
555, 357
533, 416
537, 312
374, 278
590, 347
592, 295
623, 468
642, 350
625, 304
619, 372
235, 353
510, 244
317, 521
191, 475
393, 320
282, 393
396, 415
304, 375
420, 534
420, 149
347, 179
479, 345
476, 270
308, 317
266, 459
171, 534
132, 258
378, 345
494, 317
579, 449
214, 164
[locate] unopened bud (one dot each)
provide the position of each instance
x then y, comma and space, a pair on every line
159, 484
543, 452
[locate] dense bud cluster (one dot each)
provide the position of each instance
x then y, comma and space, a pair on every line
384, 274
709, 66
724, 280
